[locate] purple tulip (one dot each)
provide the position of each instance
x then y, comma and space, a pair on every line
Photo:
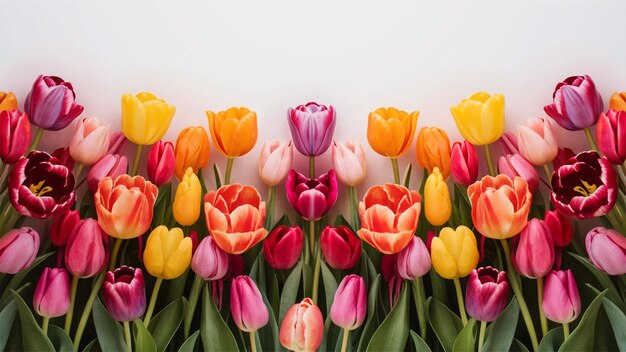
209, 261
312, 126
607, 250
312, 198
577, 104
246, 305
414, 260
52, 295
111, 165
561, 301
350, 303
18, 250
486, 293
124, 293
51, 103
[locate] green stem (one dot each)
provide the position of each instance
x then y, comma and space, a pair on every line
4, 218
515, 285
419, 296
546, 168
542, 317
354, 208
253, 341
311, 237
271, 199
114, 254
87, 311
316, 274
36, 140
153, 298
481, 335
133, 171
3, 181
79, 170
129, 344
459, 299
396, 170
344, 340
193, 302
70, 312
565, 330
229, 169
590, 140
311, 167
44, 325
492, 170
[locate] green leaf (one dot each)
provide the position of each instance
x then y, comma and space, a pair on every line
330, 285
17, 279
110, 334
268, 335
604, 280
552, 340
618, 322
91, 345
444, 323
165, 324
59, 339
503, 329
394, 330
407, 175
583, 336
290, 290
420, 345
465, 340
33, 338
517, 346
143, 339
215, 334
190, 344
7, 316
372, 320
218, 176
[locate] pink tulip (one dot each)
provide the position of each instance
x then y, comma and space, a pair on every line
111, 165
14, 135
161, 163
607, 250
562, 158
349, 162
561, 301
303, 327
52, 294
611, 135
18, 250
350, 303
414, 260
340, 247
486, 293
124, 293
577, 104
536, 141
62, 227
464, 163
559, 227
209, 261
275, 161
246, 305
514, 165
117, 143
85, 254
90, 141
311, 198
312, 126
283, 246
51, 103
533, 254
508, 143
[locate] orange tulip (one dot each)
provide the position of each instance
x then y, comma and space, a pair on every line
433, 150
125, 206
618, 101
390, 131
234, 131
234, 215
8, 101
389, 215
500, 206
192, 150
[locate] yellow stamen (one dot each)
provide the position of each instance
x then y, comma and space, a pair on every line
587, 191
38, 189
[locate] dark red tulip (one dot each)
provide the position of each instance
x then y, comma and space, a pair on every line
340, 247
283, 247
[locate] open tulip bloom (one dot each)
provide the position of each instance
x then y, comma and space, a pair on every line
148, 252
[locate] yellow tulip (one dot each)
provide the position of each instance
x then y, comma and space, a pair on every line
8, 101
480, 119
192, 150
454, 253
234, 131
186, 206
390, 131
433, 150
145, 119
437, 205
168, 253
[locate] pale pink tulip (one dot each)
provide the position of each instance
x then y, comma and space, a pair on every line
90, 141
349, 162
536, 142
275, 161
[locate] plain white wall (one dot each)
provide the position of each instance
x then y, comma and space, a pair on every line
356, 55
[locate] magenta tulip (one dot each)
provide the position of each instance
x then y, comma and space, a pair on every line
536, 142
161, 163
209, 261
14, 135
340, 247
311, 198
533, 251
607, 250
52, 294
246, 305
611, 135
312, 126
508, 143
577, 104
350, 303
514, 165
85, 254
51, 103
283, 246
111, 165
62, 226
18, 250
559, 227
464, 163
117, 143
124, 293
414, 260
561, 301
486, 293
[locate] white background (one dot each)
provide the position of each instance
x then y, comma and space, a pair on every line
355, 55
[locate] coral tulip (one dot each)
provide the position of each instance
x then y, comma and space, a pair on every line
577, 104
112, 165
611, 135
311, 198
18, 250
275, 161
14, 135
168, 253
486, 293
464, 163
607, 250
437, 203
349, 162
90, 141
85, 253
533, 251
246, 305
414, 260
561, 301
8, 101
51, 103
234, 131
480, 118
515, 165
52, 294
283, 246
349, 306
312, 126
536, 141
161, 163
124, 293
433, 150
340, 247
454, 253
209, 261
302, 328
145, 118
192, 150
188, 199
390, 131
62, 226
618, 101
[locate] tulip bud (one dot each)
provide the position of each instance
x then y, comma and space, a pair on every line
559, 227
561, 301
192, 150
15, 136
52, 294
124, 293
187, 200
8, 101
454, 253
62, 226
18, 250
350, 303
90, 141
618, 101
283, 246
437, 204
577, 104
533, 251
514, 165
433, 150
111, 165
168, 253
209, 261
275, 161
486, 293
414, 260
607, 250
303, 327
161, 163
246, 305
562, 158
234, 131
51, 103
610, 135
349, 162
464, 163
508, 143
85, 254
117, 143
312, 126
537, 143
340, 247
311, 198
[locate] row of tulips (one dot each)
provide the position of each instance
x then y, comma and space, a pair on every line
223, 264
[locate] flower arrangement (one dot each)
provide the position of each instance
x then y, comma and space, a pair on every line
171, 261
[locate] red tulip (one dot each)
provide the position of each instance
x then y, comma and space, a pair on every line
533, 251
340, 247
18, 250
607, 250
14, 135
246, 305
52, 294
311, 198
464, 163
486, 293
85, 254
561, 301
51, 104
124, 293
209, 261
161, 164
62, 227
63, 155
349, 305
559, 227
303, 327
112, 165
611, 135
283, 247
562, 157
577, 104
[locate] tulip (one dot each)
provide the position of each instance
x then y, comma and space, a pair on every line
577, 104
311, 198
209, 261
18, 250
559, 227
464, 163
500, 206
536, 141
124, 293
349, 162
607, 250
454, 253
125, 206
433, 150
145, 118
40, 186
437, 204
585, 187
192, 150
283, 246
618, 101
562, 157
480, 118
90, 141
515, 165
275, 161
52, 294
112, 165
234, 131
561, 302
168, 253
85, 254
508, 143
303, 327
161, 163
389, 215
51, 103
340, 247
390, 131
312, 126
234, 216
14, 135
62, 226
350, 303
486, 293
8, 101
533, 254
187, 200
117, 143
64, 157
611, 135
414, 260
246, 305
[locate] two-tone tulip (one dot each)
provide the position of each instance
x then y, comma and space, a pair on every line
312, 127
576, 103
8, 101
124, 293
311, 198
486, 293
14, 136
303, 327
617, 102
51, 103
